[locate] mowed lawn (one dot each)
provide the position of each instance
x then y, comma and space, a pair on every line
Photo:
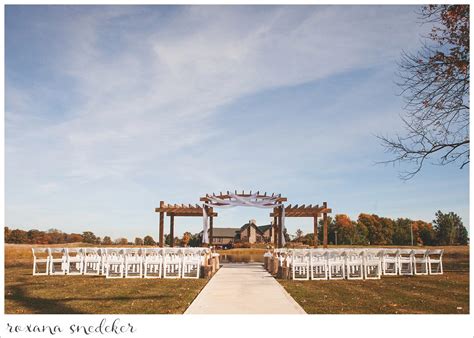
25, 293
444, 294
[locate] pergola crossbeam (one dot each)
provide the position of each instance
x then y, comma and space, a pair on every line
180, 214
228, 195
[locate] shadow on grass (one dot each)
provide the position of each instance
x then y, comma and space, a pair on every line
58, 306
38, 305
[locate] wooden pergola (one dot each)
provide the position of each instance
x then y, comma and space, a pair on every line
173, 210
210, 199
302, 211
196, 210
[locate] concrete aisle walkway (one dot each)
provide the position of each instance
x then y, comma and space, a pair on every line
243, 288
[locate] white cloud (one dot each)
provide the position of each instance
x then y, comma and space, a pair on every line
149, 87
162, 90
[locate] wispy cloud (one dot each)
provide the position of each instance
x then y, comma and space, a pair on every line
162, 89
154, 93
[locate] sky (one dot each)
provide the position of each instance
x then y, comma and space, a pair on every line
110, 109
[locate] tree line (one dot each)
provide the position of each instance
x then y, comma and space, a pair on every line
370, 229
55, 236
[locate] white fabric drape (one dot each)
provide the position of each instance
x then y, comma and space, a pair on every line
205, 226
250, 201
240, 201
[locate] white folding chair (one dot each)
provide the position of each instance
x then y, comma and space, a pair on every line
92, 261
354, 261
153, 263
405, 262
41, 258
133, 263
319, 265
172, 263
435, 262
390, 262
114, 263
74, 261
336, 264
102, 255
191, 263
57, 261
300, 260
373, 263
420, 262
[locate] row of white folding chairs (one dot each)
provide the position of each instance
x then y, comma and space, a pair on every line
360, 263
334, 264
412, 262
154, 263
120, 262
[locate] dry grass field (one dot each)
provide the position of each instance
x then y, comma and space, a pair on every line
445, 294
25, 293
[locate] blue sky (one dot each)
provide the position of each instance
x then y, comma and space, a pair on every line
111, 109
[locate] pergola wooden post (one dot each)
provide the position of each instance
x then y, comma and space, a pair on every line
211, 226
275, 231
280, 228
172, 230
325, 224
315, 233
162, 225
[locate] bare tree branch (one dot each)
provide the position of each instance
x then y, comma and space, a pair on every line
434, 83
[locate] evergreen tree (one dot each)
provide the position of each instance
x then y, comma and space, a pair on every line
89, 237
148, 240
107, 240
402, 232
449, 229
